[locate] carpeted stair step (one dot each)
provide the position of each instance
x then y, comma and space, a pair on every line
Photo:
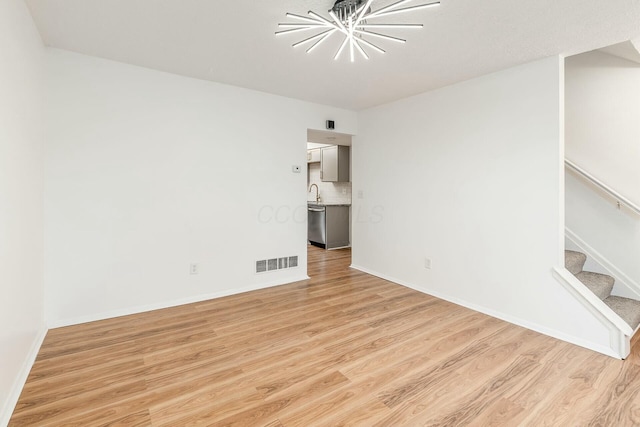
574, 261
599, 284
628, 309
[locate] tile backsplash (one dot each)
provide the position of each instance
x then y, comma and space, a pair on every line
330, 192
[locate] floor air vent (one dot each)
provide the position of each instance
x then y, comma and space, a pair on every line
273, 264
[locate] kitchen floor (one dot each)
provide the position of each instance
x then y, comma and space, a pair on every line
321, 261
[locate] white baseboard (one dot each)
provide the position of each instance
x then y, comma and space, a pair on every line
9, 405
499, 315
59, 323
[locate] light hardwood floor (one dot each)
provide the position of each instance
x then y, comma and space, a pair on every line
343, 348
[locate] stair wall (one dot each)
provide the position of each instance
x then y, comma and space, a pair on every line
624, 286
614, 234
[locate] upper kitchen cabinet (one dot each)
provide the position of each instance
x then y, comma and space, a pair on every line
313, 156
334, 164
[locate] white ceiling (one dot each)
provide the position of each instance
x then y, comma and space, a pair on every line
233, 42
629, 50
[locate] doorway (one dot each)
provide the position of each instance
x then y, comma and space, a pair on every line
329, 197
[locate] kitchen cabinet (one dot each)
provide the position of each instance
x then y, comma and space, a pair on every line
313, 156
334, 164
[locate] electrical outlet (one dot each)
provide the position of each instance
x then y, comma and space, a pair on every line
360, 194
427, 263
194, 268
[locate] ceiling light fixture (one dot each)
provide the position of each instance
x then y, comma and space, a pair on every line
350, 18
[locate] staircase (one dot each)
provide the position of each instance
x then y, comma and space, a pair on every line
601, 285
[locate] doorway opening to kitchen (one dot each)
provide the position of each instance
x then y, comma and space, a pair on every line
329, 160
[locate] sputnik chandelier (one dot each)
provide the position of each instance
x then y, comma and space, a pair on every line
353, 19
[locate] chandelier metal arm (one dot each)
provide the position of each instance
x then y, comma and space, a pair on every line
312, 38
390, 26
360, 49
371, 45
338, 22
382, 36
305, 18
384, 9
352, 39
344, 43
321, 39
326, 21
293, 30
363, 12
381, 13
351, 50
318, 25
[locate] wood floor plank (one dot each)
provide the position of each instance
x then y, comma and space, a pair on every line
562, 404
443, 403
531, 392
305, 391
32, 413
113, 416
362, 412
371, 343
449, 375
341, 349
619, 400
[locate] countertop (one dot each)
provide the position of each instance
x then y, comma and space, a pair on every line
309, 203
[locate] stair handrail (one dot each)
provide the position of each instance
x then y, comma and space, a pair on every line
620, 199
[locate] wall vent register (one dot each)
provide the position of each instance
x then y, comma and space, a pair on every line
274, 264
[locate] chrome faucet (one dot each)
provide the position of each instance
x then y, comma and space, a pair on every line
317, 192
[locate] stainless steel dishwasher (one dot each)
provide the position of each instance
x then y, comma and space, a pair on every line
317, 232
328, 225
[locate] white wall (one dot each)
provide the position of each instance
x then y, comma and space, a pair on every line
147, 172
484, 163
21, 291
603, 119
